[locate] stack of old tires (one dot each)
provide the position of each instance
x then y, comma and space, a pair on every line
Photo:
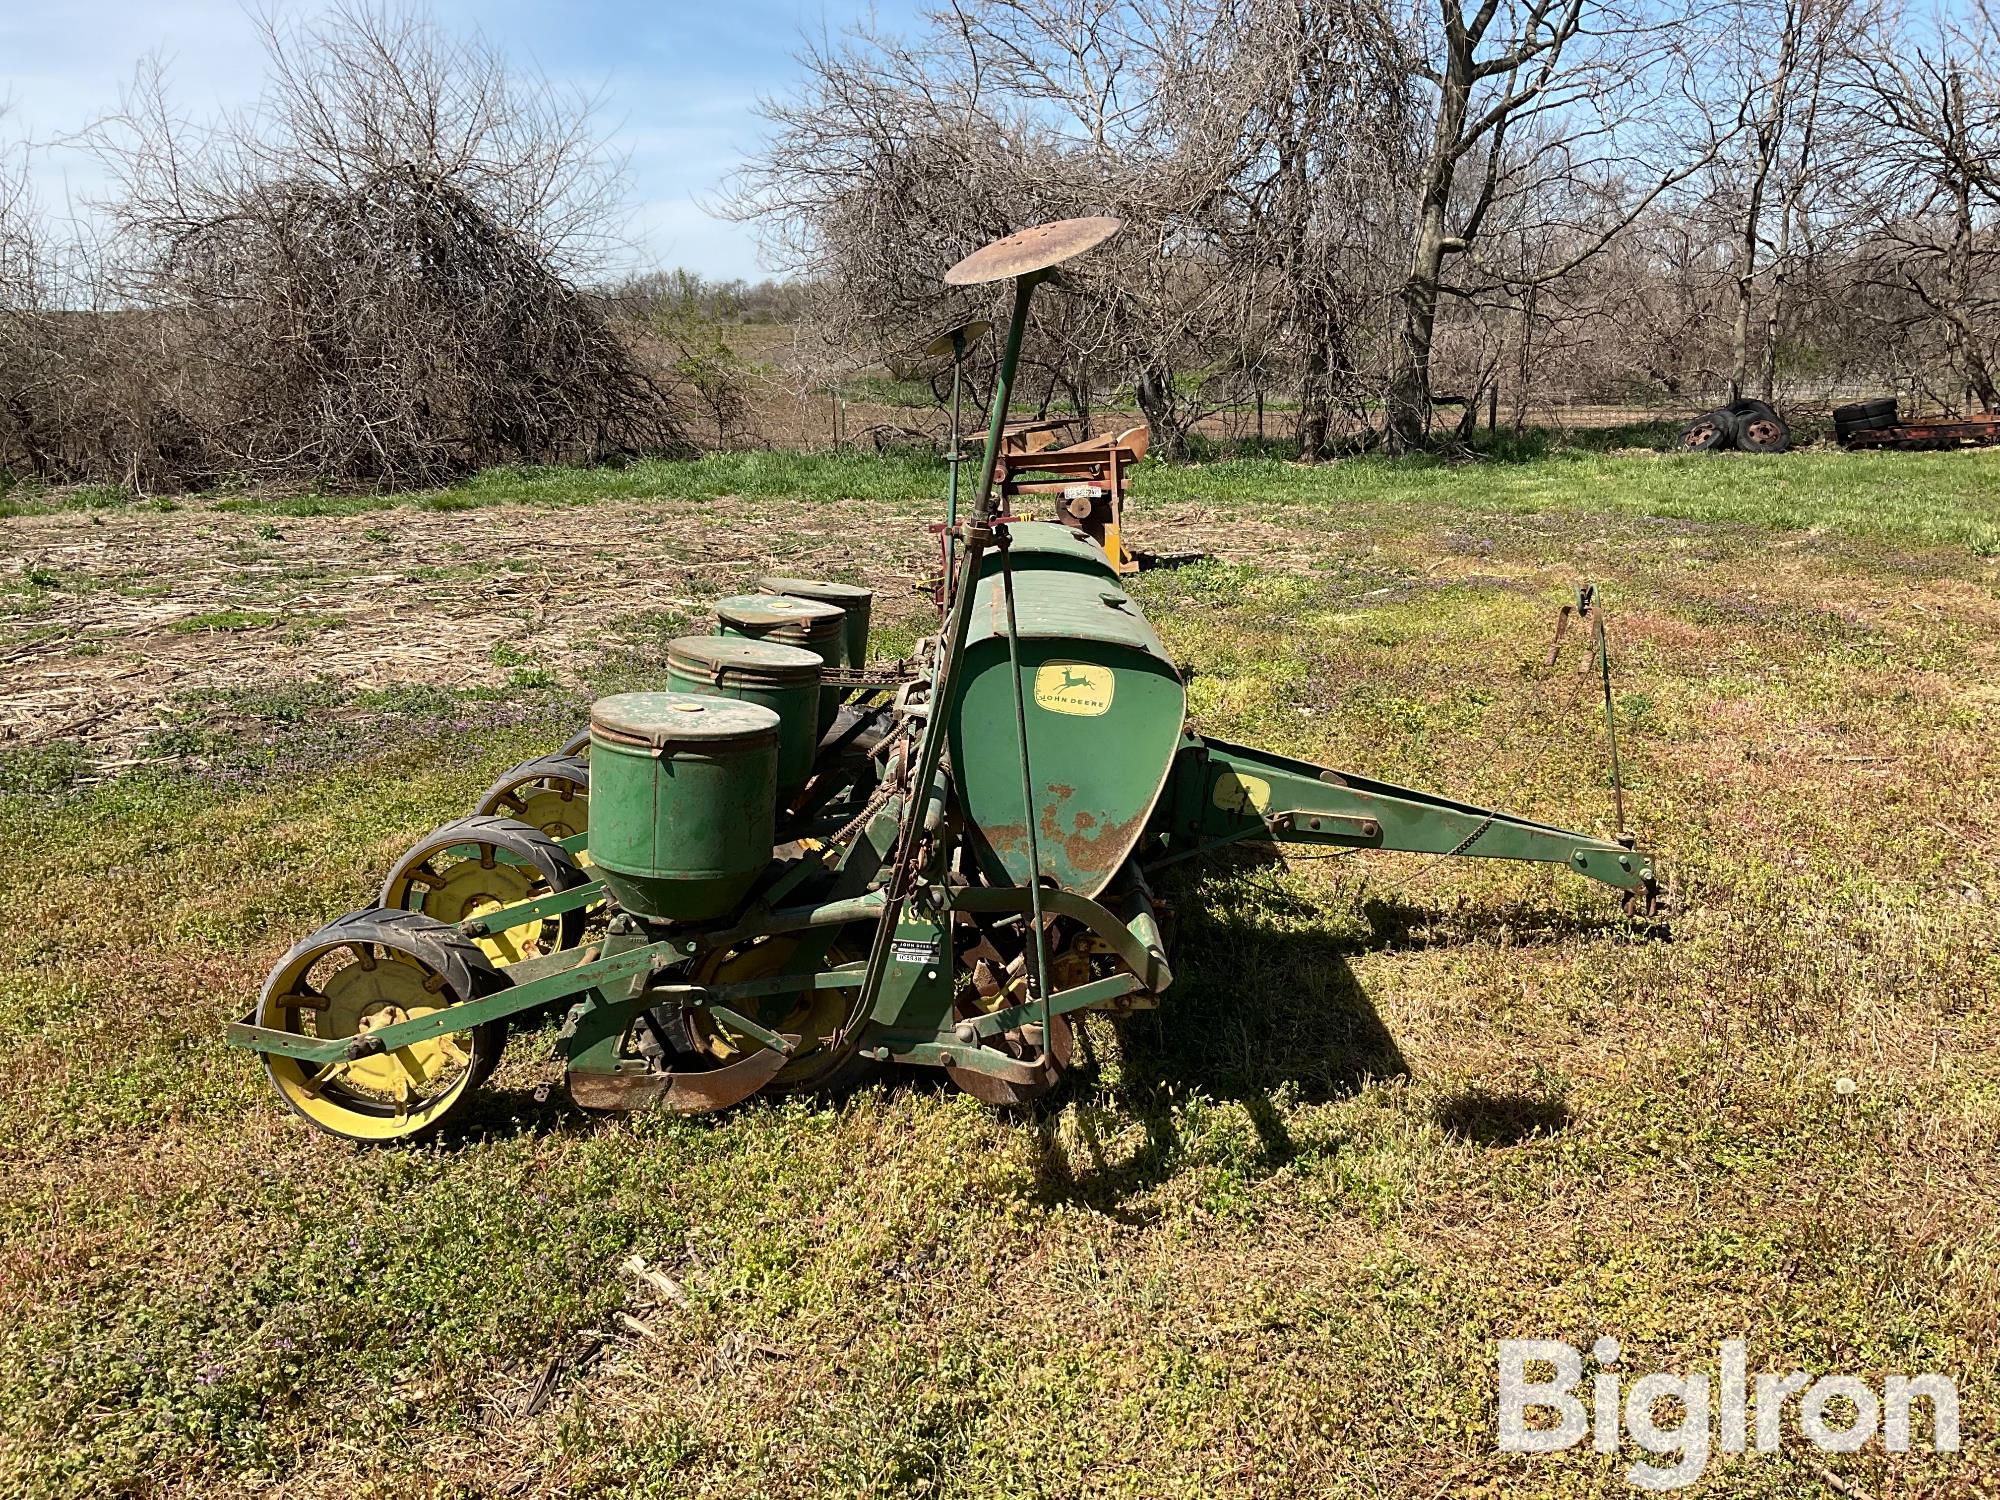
1751, 425
1851, 421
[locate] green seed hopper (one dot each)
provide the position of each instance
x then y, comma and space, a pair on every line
794, 868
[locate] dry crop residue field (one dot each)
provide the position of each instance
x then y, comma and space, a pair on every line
1263, 1241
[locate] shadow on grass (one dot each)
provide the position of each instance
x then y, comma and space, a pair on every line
1265, 1005
1484, 1118
1275, 1011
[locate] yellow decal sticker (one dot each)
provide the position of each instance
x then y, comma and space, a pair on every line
1237, 793
1074, 687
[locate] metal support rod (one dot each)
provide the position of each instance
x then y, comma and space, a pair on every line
1610, 715
951, 484
951, 647
1003, 389
1038, 978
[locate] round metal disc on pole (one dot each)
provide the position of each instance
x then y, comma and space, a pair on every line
1033, 249
957, 340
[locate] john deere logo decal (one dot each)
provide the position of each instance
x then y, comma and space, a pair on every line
1074, 687
1240, 793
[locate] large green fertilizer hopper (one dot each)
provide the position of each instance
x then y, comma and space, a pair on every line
790, 867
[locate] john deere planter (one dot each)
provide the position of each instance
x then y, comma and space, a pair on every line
792, 867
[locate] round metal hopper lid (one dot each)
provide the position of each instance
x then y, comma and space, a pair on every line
814, 588
1033, 249
773, 611
741, 657
682, 721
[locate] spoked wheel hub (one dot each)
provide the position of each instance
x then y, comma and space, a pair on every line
476, 865
551, 793
366, 971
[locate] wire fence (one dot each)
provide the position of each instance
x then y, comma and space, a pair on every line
785, 416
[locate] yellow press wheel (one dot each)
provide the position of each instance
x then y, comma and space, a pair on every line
368, 970
813, 1016
550, 792
478, 864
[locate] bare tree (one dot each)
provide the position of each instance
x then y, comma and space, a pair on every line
1590, 82
1770, 92
1226, 133
1923, 100
373, 274
1320, 96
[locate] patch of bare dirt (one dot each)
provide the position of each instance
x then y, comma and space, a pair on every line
378, 599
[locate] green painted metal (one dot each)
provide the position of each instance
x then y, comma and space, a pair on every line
1104, 708
584, 970
1038, 976
1136, 942
916, 987
685, 796
1064, 720
737, 1021
818, 627
856, 602
608, 1000
1224, 793
957, 624
534, 910
784, 679
1060, 1003
944, 1051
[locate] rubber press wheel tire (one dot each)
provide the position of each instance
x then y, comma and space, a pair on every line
401, 966
1746, 407
1711, 432
474, 865
1845, 430
550, 792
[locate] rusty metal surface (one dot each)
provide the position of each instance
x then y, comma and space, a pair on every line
954, 339
1975, 432
1701, 433
1765, 430
1033, 249
677, 1093
1002, 1093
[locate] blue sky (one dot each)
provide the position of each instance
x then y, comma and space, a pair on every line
679, 85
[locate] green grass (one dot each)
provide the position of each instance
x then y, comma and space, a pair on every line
802, 477
226, 619
1931, 499
1945, 499
33, 498
1264, 1239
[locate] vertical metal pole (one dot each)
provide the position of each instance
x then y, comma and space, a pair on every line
1038, 979
1610, 717
1003, 391
951, 487
944, 676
